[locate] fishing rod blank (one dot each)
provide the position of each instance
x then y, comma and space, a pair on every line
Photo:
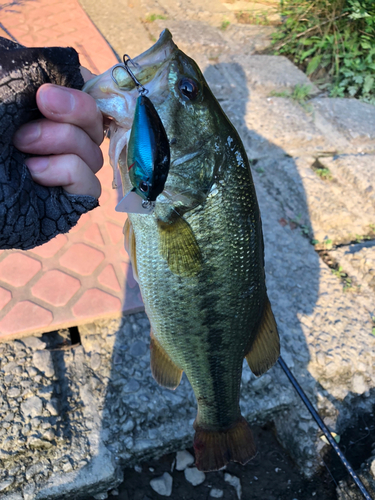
324, 428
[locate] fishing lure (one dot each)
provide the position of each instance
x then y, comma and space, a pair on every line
148, 156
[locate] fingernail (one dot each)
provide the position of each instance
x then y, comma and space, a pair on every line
37, 165
28, 134
57, 99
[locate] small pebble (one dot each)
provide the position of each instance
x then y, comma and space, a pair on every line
32, 407
96, 361
128, 426
34, 343
162, 485
101, 496
138, 469
235, 482
194, 476
42, 360
183, 460
5, 484
51, 406
67, 467
216, 493
138, 348
131, 386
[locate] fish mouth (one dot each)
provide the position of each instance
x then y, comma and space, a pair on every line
146, 65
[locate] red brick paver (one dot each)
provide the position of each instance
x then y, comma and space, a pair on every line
85, 274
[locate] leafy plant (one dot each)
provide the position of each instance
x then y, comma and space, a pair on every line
324, 173
321, 171
224, 25
327, 244
334, 42
343, 276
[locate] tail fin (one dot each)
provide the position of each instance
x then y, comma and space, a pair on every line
214, 449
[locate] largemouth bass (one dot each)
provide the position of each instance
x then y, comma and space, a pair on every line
199, 256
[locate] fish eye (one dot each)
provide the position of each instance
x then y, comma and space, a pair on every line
143, 186
188, 88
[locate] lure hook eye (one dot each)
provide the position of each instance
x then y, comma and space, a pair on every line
144, 186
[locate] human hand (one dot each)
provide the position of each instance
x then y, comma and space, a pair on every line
68, 138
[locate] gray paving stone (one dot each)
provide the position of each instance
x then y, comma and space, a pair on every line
266, 73
353, 118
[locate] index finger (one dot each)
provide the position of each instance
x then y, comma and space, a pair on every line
64, 105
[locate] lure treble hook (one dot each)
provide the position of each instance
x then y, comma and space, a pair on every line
141, 89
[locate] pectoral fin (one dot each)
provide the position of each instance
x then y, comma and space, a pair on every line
265, 349
164, 371
130, 247
179, 247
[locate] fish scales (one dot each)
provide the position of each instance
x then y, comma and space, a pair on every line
199, 259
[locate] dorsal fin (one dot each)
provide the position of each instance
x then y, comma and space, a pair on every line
179, 247
130, 247
265, 349
164, 371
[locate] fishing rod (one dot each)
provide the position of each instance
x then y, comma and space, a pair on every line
324, 428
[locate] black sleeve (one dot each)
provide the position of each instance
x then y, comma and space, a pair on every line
31, 214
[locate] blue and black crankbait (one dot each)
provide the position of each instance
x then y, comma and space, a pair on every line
148, 157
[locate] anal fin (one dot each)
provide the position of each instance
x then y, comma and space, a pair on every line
179, 247
130, 247
265, 349
164, 371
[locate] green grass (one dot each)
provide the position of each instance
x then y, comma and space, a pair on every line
300, 94
257, 18
153, 17
333, 42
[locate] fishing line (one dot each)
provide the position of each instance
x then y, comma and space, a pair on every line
9, 33
324, 428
